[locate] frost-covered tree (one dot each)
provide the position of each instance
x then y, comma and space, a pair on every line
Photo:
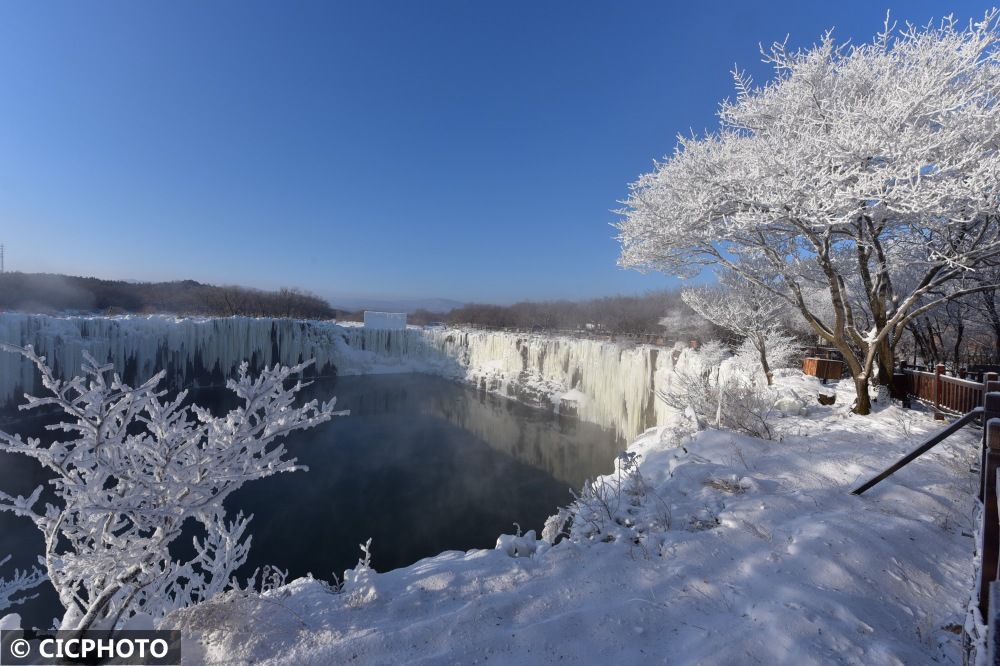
773, 344
870, 173
963, 332
714, 387
131, 469
745, 308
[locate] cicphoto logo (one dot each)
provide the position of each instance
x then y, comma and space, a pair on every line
91, 647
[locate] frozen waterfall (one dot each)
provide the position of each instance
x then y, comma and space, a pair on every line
600, 382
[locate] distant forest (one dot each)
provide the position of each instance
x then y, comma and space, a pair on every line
654, 313
49, 293
620, 315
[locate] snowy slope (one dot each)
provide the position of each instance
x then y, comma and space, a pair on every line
733, 551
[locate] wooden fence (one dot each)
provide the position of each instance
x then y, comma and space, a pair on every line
947, 394
989, 581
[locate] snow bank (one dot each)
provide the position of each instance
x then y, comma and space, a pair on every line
725, 549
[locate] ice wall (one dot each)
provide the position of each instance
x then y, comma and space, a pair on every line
192, 351
403, 346
600, 382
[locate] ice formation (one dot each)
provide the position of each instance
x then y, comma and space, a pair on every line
603, 382
600, 382
385, 320
191, 350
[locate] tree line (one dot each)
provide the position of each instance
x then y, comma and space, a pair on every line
51, 293
654, 313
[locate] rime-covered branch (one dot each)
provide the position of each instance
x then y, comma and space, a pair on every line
12, 589
131, 467
742, 308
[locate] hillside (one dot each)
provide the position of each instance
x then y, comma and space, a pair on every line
52, 293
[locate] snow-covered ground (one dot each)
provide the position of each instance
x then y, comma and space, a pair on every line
731, 550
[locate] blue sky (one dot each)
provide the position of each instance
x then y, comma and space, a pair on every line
464, 150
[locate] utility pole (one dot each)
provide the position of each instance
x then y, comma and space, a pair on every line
1, 259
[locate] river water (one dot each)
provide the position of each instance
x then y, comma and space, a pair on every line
421, 465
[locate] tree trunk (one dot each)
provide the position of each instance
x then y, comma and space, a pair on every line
932, 357
957, 350
863, 401
762, 350
994, 319
860, 370
886, 362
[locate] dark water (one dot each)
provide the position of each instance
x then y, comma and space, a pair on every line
421, 465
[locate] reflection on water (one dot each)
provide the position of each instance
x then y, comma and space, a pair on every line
421, 465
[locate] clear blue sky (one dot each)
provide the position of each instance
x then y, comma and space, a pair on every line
465, 150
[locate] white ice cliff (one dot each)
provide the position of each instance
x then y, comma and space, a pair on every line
599, 382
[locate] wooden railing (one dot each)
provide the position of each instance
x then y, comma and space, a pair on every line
947, 394
988, 573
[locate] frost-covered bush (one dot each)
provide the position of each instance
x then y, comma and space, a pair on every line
750, 311
689, 383
745, 405
730, 393
621, 508
607, 502
131, 469
359, 582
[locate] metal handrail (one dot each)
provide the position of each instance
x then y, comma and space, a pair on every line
930, 443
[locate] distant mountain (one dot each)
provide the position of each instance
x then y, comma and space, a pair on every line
408, 305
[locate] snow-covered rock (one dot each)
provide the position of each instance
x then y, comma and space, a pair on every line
523, 545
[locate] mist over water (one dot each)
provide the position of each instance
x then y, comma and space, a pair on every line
421, 465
